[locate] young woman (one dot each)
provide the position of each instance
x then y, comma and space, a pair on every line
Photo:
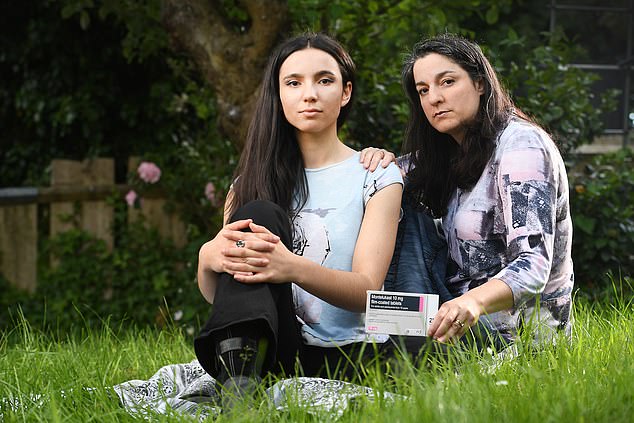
308, 230
498, 183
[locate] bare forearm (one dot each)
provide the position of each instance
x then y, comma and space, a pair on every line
208, 258
492, 296
207, 281
340, 288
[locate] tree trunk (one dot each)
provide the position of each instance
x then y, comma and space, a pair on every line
231, 58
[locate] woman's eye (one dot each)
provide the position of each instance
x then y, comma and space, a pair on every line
292, 83
423, 91
326, 81
448, 82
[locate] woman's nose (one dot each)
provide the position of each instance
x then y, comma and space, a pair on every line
434, 96
310, 92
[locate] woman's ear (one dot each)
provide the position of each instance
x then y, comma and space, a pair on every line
479, 86
347, 94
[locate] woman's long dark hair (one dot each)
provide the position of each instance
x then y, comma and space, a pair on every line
439, 163
271, 166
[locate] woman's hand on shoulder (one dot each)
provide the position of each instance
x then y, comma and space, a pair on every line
371, 157
259, 260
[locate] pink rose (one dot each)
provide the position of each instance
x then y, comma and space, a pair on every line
131, 197
210, 192
149, 172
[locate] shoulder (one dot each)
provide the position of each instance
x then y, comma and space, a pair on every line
523, 135
390, 174
524, 151
351, 170
380, 178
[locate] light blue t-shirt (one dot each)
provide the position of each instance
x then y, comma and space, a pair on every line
325, 231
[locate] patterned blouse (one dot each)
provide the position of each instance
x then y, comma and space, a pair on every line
515, 225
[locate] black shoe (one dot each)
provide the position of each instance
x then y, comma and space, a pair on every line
238, 390
240, 363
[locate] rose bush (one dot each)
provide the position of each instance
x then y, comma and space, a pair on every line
146, 173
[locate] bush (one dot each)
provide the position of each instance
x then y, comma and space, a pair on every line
145, 281
557, 95
602, 206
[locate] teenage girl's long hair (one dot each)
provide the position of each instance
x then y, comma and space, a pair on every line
271, 166
439, 164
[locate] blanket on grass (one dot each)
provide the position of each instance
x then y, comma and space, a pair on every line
187, 389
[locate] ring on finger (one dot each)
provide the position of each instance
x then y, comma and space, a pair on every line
458, 323
240, 243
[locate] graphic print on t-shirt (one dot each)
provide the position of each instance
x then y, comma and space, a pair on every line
317, 247
307, 307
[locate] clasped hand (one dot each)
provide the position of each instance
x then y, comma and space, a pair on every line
262, 258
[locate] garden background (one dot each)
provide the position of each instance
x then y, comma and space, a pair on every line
170, 84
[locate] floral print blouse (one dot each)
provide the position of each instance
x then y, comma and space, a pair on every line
515, 225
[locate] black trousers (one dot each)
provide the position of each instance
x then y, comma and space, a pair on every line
268, 309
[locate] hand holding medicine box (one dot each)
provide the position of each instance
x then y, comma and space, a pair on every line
399, 313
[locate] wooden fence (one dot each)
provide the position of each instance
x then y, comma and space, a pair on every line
78, 190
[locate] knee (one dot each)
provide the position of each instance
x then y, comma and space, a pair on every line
265, 213
261, 211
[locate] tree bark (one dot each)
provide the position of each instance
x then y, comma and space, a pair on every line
231, 59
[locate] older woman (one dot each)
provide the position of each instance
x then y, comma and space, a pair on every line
498, 184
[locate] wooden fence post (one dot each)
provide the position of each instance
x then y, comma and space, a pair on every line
95, 216
18, 245
77, 199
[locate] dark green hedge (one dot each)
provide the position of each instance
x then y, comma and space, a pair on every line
602, 205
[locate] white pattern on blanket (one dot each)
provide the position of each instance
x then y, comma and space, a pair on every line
188, 389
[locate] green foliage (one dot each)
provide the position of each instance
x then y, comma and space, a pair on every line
146, 101
200, 157
602, 206
59, 100
81, 274
558, 95
145, 280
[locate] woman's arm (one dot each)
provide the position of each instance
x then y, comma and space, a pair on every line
372, 255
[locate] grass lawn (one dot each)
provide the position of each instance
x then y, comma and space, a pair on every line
590, 380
